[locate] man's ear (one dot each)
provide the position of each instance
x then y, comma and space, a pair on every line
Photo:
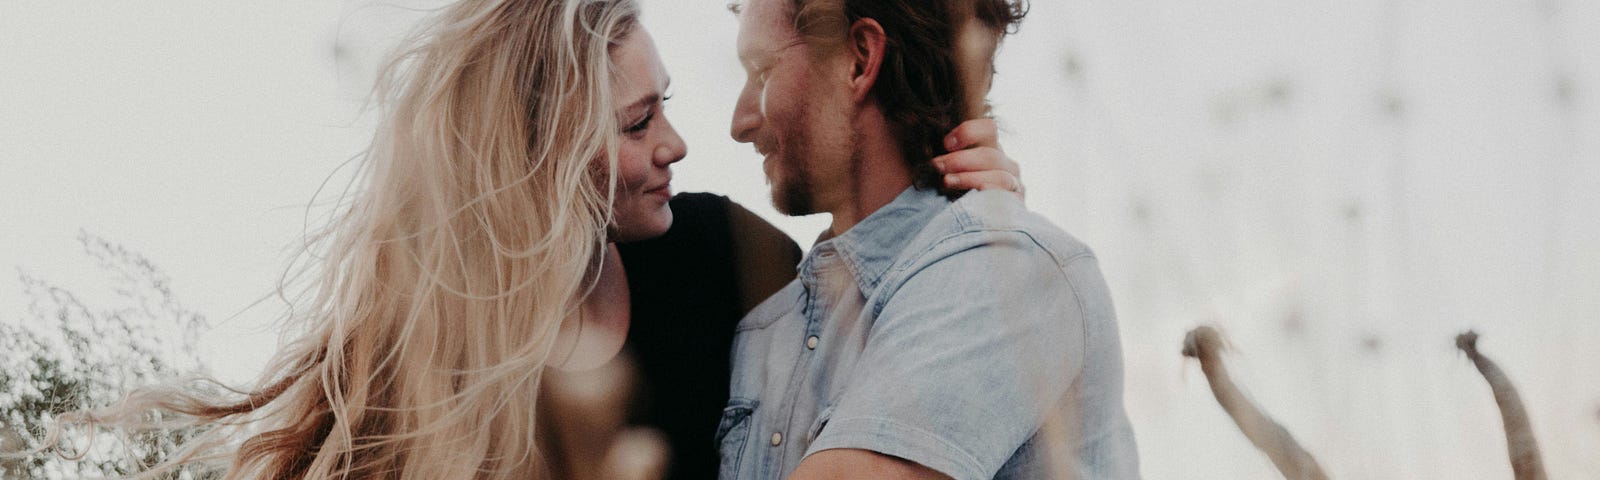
867, 45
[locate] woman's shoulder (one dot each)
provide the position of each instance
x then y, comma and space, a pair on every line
716, 234
699, 232
695, 211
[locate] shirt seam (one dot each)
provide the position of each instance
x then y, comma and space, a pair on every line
1062, 267
895, 271
846, 433
1083, 315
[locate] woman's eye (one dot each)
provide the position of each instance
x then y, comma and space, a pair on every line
640, 126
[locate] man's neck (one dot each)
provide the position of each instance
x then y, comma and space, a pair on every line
880, 174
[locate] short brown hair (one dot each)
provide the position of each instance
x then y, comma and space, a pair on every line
1000, 15
917, 84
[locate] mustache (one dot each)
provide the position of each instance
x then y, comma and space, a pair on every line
765, 145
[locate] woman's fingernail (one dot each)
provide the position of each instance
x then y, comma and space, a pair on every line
951, 181
950, 143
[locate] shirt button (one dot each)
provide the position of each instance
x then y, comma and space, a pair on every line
811, 343
777, 438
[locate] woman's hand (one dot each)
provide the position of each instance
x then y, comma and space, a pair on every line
975, 161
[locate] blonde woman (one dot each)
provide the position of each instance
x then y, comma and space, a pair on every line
520, 138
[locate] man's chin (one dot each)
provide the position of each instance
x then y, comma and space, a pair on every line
794, 202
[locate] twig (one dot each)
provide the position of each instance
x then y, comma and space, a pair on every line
1520, 443
1292, 460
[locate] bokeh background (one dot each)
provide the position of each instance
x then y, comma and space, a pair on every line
1341, 186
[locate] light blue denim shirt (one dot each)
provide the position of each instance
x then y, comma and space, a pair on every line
972, 337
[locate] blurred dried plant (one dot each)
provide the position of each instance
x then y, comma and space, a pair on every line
1293, 461
584, 426
68, 356
1526, 463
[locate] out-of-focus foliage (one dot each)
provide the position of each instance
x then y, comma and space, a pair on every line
65, 355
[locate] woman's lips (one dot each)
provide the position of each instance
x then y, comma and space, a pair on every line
663, 191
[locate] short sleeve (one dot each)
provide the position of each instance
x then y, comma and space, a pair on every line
977, 341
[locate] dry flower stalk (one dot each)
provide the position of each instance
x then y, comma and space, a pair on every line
1293, 461
1526, 463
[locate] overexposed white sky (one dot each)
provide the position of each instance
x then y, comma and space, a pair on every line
191, 132
1342, 185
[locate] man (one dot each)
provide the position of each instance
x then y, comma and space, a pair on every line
867, 366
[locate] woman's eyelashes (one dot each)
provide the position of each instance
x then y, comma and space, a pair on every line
637, 129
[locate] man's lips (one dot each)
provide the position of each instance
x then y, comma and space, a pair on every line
765, 148
769, 155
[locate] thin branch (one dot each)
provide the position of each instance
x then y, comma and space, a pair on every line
1292, 460
1526, 463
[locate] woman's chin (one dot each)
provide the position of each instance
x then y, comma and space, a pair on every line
641, 228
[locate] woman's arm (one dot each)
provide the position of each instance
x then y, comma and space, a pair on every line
764, 258
976, 162
595, 335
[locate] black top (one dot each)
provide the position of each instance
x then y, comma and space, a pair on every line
685, 300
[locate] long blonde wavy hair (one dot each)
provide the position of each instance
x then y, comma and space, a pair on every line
435, 296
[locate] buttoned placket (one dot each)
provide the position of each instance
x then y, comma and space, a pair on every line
815, 309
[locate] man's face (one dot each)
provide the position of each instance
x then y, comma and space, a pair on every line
795, 109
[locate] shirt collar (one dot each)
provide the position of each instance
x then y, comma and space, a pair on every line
870, 247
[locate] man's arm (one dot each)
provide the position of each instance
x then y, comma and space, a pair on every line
956, 383
850, 463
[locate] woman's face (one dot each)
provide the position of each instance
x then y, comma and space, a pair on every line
648, 146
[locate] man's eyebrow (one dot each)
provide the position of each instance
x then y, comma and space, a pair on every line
759, 58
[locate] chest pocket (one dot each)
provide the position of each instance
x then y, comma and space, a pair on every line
733, 431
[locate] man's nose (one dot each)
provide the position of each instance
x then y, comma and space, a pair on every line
746, 116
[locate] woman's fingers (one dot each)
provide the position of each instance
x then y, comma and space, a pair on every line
977, 159
981, 168
978, 132
985, 180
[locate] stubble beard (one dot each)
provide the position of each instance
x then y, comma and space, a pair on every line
792, 188
791, 192
825, 134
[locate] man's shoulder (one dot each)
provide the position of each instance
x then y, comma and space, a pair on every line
981, 218
989, 238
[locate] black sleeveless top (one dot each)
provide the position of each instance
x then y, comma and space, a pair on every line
685, 304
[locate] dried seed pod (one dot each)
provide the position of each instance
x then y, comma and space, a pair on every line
1526, 463
1293, 461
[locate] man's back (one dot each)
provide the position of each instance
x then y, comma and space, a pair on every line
971, 337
